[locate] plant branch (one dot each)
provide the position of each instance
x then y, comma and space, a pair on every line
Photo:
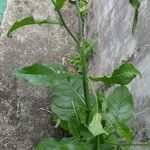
80, 22
65, 25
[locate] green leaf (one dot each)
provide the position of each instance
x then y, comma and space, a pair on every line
100, 95
68, 99
123, 75
82, 115
104, 106
135, 4
119, 105
67, 88
47, 144
85, 133
95, 127
79, 130
63, 144
30, 21
59, 4
57, 67
62, 107
83, 8
65, 108
38, 74
101, 99
110, 139
125, 131
74, 127
72, 87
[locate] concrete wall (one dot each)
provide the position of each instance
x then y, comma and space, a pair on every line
21, 124
110, 23
2, 9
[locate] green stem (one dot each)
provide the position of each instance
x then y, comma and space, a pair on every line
65, 25
84, 61
85, 76
80, 22
98, 143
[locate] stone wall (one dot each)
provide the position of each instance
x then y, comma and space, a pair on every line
21, 124
110, 23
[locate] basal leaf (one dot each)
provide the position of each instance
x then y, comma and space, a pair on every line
123, 75
30, 21
135, 4
95, 127
119, 105
38, 74
63, 144
59, 4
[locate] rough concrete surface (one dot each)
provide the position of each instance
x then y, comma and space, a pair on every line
22, 126
110, 23
2, 8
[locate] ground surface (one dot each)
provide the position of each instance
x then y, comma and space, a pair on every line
21, 124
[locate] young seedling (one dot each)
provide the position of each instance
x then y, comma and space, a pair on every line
95, 121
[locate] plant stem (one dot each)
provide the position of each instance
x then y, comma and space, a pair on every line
84, 61
65, 25
85, 76
80, 22
98, 143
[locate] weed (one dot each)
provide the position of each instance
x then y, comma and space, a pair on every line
95, 121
